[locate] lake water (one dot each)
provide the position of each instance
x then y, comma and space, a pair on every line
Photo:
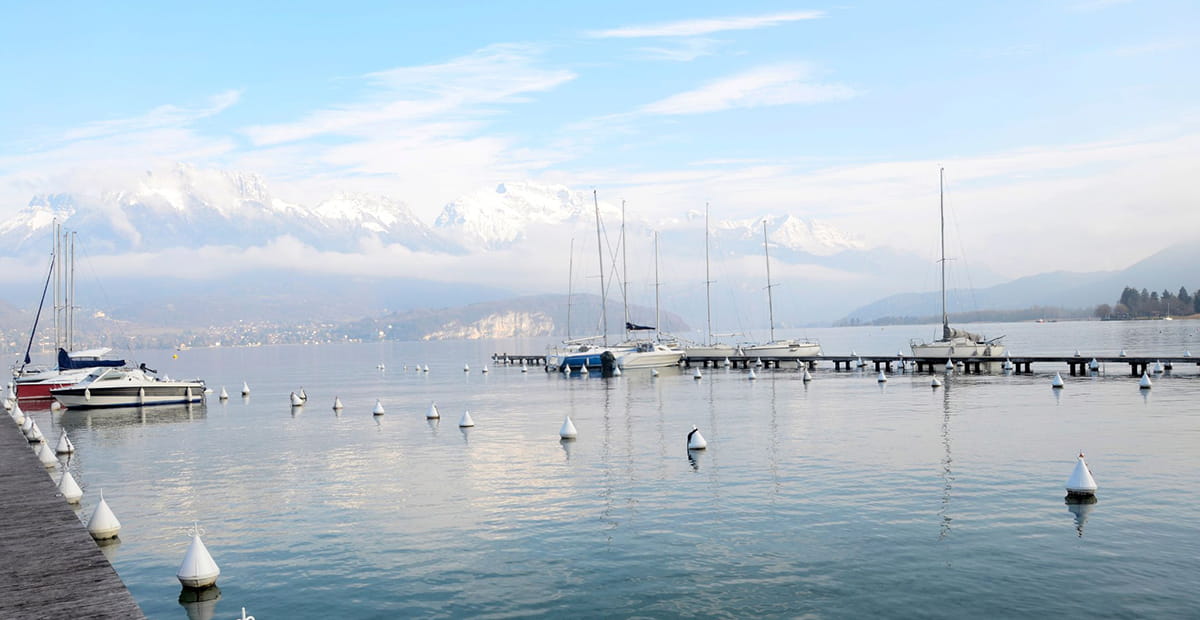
839, 498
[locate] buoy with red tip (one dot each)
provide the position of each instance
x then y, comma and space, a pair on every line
433, 413
1145, 383
568, 429
378, 410
466, 421
695, 441
198, 569
103, 524
1081, 484
1057, 381
69, 488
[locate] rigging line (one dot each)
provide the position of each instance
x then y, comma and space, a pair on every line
38, 316
963, 257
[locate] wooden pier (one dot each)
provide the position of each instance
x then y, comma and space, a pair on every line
51, 567
1023, 364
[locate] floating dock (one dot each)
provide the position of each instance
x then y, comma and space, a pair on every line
51, 567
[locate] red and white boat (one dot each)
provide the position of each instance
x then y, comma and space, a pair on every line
72, 368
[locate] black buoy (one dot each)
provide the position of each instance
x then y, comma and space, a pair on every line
608, 362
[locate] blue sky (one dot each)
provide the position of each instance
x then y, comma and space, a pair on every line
1054, 115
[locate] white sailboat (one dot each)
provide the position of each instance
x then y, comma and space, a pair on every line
789, 347
954, 343
709, 348
648, 353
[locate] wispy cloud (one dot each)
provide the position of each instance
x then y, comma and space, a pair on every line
161, 117
763, 86
682, 50
502, 73
697, 27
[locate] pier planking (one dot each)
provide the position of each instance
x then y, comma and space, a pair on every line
50, 566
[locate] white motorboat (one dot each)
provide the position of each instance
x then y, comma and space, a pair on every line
954, 343
125, 387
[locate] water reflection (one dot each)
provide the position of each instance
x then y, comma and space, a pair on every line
108, 546
77, 419
200, 604
947, 462
1080, 507
566, 444
466, 434
694, 458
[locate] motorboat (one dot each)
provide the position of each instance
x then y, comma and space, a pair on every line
126, 387
954, 343
649, 354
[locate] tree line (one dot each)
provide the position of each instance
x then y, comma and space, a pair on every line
1143, 304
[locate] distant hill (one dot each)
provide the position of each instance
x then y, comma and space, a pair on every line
1166, 270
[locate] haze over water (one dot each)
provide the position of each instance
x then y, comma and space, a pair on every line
840, 498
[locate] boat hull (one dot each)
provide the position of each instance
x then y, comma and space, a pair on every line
958, 349
780, 349
80, 397
649, 359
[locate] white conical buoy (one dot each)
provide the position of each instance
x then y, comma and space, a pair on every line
18, 416
466, 368
616, 371
433, 413
935, 383
653, 372
1145, 382
46, 456
859, 363
1007, 365
69, 488
752, 376
1187, 353
568, 429
224, 395
882, 378
1122, 353
378, 410
807, 376
303, 395
524, 368
103, 524
26, 425
949, 365
1081, 483
55, 406
1076, 352
1158, 367
758, 363
64, 444
466, 421
695, 441
727, 363
296, 400
337, 403
485, 369
1057, 381
245, 389
426, 368
696, 374
35, 434
198, 569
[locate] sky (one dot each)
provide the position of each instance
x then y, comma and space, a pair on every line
1069, 129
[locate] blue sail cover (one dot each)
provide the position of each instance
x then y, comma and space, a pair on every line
65, 362
634, 327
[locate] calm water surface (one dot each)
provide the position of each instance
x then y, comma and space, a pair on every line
840, 498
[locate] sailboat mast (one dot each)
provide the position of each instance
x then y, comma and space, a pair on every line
570, 285
942, 218
707, 282
624, 271
770, 301
657, 320
600, 253
71, 299
57, 284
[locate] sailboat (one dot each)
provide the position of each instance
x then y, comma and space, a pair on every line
709, 348
954, 343
648, 353
72, 366
789, 347
583, 353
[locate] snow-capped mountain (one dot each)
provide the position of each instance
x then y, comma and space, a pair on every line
499, 218
188, 207
794, 233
